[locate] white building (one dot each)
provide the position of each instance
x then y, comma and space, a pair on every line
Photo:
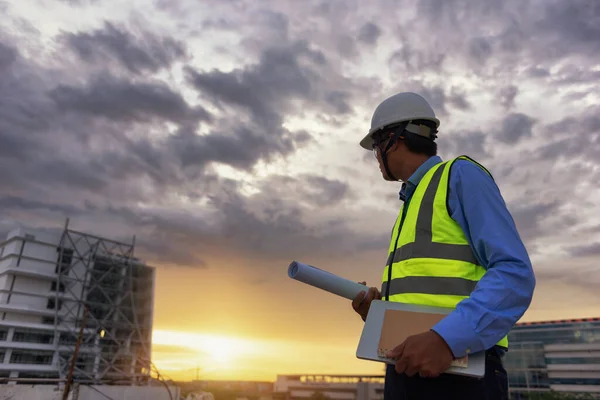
334, 387
56, 289
560, 356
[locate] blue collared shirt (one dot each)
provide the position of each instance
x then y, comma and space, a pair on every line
505, 291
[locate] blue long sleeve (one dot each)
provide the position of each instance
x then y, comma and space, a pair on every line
504, 293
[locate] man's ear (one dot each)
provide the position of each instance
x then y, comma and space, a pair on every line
397, 143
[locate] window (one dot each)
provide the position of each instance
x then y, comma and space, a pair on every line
65, 258
574, 360
33, 336
31, 357
52, 304
3, 334
51, 320
61, 287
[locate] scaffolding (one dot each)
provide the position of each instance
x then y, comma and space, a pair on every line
103, 307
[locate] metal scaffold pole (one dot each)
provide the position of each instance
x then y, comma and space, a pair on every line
75, 354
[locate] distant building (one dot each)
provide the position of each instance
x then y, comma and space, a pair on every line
51, 286
335, 387
562, 356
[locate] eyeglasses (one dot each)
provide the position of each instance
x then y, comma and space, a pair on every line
383, 139
379, 140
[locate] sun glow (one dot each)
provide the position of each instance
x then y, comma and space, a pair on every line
218, 351
186, 356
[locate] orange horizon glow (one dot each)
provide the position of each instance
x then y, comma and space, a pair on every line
182, 355
256, 332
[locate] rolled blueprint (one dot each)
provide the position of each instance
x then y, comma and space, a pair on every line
325, 280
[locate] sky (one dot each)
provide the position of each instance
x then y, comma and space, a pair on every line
224, 135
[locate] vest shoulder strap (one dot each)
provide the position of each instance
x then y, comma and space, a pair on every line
467, 158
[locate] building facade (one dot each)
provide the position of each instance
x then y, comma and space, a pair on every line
334, 387
74, 293
562, 356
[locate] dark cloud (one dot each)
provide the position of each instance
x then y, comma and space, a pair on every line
586, 123
592, 249
515, 127
479, 50
265, 92
329, 191
369, 33
528, 217
266, 89
127, 158
459, 100
123, 100
571, 26
271, 222
471, 143
575, 136
436, 97
141, 53
414, 59
11, 202
115, 146
537, 72
7, 56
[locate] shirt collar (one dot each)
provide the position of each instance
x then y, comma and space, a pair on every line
409, 186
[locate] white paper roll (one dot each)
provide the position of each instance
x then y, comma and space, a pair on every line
325, 280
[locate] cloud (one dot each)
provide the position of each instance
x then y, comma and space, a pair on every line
585, 251
507, 96
281, 76
123, 100
515, 127
8, 55
480, 50
528, 217
369, 33
233, 134
142, 53
471, 143
409, 59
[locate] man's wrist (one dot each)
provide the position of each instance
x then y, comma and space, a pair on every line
440, 337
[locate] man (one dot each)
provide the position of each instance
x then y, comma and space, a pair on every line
454, 244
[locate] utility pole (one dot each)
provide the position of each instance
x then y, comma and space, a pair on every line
75, 353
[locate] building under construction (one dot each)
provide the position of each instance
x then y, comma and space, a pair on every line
74, 305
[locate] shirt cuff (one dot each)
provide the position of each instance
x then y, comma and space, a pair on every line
458, 336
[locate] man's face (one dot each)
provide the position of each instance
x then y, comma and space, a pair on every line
380, 142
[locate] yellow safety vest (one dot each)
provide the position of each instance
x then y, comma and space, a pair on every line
430, 261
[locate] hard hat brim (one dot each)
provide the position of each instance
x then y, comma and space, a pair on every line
367, 142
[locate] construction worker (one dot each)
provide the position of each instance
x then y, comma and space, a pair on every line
454, 244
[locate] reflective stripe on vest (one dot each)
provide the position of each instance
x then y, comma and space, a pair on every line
430, 272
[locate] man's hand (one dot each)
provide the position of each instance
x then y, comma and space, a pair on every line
361, 304
426, 354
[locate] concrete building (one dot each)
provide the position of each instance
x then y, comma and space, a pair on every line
562, 356
92, 392
334, 387
58, 289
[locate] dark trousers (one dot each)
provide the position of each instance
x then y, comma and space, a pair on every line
494, 386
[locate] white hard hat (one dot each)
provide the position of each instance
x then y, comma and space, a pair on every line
405, 106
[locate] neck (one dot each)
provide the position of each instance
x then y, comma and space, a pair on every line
412, 164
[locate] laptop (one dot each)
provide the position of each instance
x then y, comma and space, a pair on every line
389, 323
